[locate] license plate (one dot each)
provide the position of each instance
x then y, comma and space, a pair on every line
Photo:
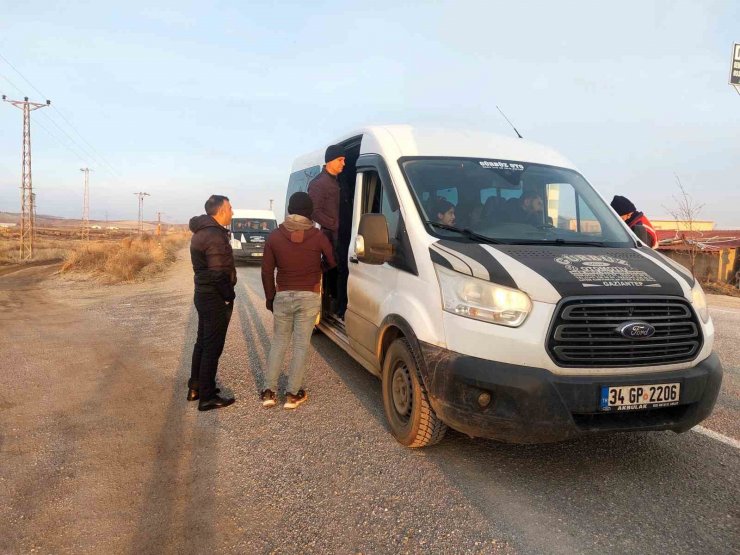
638, 397
256, 254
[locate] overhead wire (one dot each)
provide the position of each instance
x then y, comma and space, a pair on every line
46, 130
94, 155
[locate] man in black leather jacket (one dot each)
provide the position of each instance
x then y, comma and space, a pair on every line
215, 277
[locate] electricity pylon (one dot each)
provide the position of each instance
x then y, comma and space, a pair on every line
159, 224
25, 251
85, 231
141, 196
33, 214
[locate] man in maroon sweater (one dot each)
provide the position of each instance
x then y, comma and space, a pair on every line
295, 248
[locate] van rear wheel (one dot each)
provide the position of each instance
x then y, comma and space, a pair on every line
410, 415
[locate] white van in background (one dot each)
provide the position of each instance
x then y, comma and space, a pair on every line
511, 323
249, 231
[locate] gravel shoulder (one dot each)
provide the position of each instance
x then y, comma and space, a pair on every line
101, 453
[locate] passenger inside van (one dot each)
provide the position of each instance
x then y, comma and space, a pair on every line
468, 214
443, 211
527, 209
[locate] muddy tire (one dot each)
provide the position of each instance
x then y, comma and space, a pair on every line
412, 420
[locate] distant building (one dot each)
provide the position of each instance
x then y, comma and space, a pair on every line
680, 225
7, 225
717, 250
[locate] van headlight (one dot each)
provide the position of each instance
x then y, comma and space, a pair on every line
481, 300
699, 300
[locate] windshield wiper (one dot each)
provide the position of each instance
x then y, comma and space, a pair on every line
467, 232
565, 242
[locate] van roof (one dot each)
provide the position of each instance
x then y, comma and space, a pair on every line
408, 140
257, 214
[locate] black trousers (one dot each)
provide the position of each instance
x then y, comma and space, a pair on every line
214, 316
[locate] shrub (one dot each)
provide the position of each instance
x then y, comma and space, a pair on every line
130, 259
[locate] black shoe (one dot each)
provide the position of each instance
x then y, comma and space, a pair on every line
215, 402
194, 395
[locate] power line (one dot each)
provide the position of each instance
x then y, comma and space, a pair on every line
89, 156
97, 155
46, 129
58, 111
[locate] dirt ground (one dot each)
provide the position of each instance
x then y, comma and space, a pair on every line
101, 453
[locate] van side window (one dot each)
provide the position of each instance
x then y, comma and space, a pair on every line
568, 210
376, 201
299, 180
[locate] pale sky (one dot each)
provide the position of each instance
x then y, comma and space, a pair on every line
184, 99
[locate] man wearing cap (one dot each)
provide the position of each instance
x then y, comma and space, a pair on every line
324, 192
634, 219
295, 249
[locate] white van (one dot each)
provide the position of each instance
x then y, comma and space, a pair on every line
249, 231
524, 320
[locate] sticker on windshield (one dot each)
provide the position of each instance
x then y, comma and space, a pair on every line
501, 165
596, 270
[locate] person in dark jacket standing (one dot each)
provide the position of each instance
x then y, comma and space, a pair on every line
295, 249
633, 218
324, 192
215, 277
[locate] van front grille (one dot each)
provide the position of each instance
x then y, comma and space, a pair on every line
585, 332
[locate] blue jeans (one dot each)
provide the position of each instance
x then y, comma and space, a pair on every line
294, 314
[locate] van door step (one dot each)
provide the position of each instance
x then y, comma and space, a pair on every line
335, 322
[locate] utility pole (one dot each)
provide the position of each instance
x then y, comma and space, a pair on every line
85, 233
271, 201
27, 199
33, 215
141, 196
159, 224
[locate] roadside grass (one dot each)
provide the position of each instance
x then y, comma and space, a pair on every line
717, 288
131, 259
44, 249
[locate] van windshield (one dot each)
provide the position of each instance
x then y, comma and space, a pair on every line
252, 224
510, 202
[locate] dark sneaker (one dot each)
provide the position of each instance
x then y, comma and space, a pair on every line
268, 398
293, 401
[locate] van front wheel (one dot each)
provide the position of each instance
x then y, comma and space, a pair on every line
411, 417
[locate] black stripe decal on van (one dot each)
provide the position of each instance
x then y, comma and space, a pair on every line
578, 271
685, 273
439, 259
496, 271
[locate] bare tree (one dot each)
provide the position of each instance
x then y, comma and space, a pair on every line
686, 212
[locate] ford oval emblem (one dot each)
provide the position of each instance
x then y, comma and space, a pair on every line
636, 330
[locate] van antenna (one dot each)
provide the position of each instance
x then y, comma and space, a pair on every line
512, 125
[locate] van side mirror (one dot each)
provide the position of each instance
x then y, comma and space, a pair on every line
372, 245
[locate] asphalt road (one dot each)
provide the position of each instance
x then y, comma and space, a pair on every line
725, 313
100, 452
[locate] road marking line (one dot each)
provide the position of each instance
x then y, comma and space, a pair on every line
719, 437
